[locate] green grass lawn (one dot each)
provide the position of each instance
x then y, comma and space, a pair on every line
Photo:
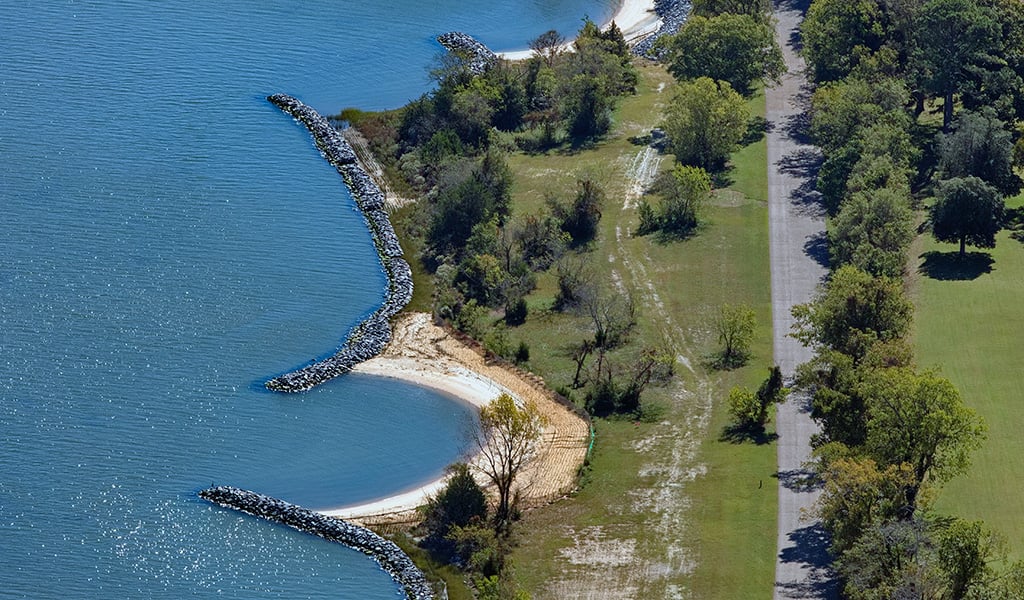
698, 515
970, 323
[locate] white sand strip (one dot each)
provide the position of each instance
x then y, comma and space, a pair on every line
443, 376
424, 354
635, 18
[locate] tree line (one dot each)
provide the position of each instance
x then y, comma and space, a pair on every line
891, 432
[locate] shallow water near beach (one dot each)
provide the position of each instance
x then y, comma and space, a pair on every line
170, 241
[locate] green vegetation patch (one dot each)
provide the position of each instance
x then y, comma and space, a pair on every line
670, 494
969, 322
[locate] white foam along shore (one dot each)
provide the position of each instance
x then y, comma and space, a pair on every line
449, 378
634, 17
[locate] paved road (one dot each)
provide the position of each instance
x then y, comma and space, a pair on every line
798, 259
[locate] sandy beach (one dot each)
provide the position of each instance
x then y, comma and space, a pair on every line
424, 354
635, 18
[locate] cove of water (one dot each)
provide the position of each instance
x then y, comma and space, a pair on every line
170, 240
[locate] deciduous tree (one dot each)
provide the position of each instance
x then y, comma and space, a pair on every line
979, 146
852, 312
506, 439
967, 210
918, 419
837, 33
704, 122
737, 48
872, 232
955, 39
735, 325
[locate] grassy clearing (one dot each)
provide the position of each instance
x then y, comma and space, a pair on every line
668, 508
969, 323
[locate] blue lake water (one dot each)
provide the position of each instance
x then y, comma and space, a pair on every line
169, 241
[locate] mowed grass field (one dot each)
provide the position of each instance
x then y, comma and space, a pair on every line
970, 323
668, 507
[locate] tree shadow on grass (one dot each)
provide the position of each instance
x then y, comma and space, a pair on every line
718, 361
950, 266
741, 434
1015, 223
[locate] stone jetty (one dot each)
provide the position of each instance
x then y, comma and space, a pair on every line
673, 15
386, 553
480, 56
368, 338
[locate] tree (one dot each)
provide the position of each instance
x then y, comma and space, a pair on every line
683, 191
838, 33
581, 218
956, 39
873, 231
704, 122
752, 411
587, 107
591, 78
967, 210
840, 110
919, 420
852, 312
857, 494
735, 325
980, 146
575, 283
467, 201
754, 8
965, 549
548, 46
737, 48
459, 503
506, 440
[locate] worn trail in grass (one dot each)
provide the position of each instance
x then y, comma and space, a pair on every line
668, 508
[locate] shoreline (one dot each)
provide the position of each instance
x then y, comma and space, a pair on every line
424, 354
636, 18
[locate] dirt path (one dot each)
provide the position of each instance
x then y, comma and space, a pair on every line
615, 561
797, 227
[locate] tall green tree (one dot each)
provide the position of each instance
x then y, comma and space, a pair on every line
467, 201
980, 146
918, 419
683, 191
956, 39
837, 33
735, 325
737, 48
580, 218
967, 210
704, 122
852, 312
873, 231
459, 503
760, 9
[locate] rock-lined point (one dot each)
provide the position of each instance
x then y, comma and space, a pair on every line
480, 56
368, 338
388, 555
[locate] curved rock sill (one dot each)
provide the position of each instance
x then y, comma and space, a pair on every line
388, 555
368, 338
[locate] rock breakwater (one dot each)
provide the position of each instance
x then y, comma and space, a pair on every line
387, 554
368, 338
673, 15
480, 56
